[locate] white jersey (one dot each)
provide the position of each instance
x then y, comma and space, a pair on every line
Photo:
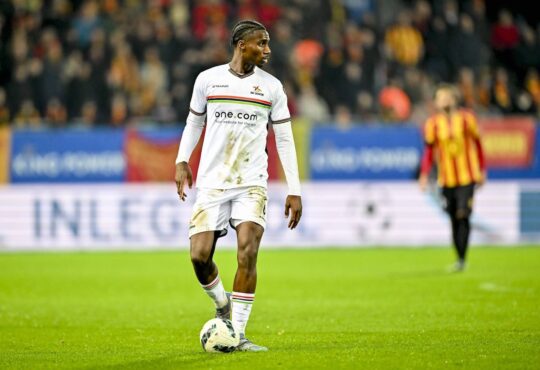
238, 110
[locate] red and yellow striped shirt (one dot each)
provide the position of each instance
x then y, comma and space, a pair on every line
454, 142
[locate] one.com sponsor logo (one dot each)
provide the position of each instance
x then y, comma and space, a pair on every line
238, 115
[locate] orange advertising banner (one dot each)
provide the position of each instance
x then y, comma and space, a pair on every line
508, 142
5, 151
152, 160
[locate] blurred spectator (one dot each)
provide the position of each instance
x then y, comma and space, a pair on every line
153, 79
412, 85
136, 61
56, 114
209, 15
28, 116
532, 84
477, 11
268, 13
504, 37
356, 9
88, 116
356, 78
281, 44
437, 54
246, 9
404, 43
307, 54
164, 112
77, 82
524, 103
119, 110
343, 117
484, 88
502, 93
6, 31
527, 53
312, 106
58, 16
466, 47
467, 88
179, 13
86, 22
365, 107
395, 104
123, 73
451, 13
19, 88
422, 16
4, 109
53, 65
142, 40
331, 80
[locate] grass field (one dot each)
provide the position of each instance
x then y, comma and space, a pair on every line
334, 309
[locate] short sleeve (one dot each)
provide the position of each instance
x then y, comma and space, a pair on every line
472, 124
429, 132
197, 105
280, 111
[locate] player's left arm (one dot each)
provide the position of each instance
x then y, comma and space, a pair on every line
427, 157
474, 132
281, 123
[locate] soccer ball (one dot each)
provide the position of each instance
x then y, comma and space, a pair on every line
219, 335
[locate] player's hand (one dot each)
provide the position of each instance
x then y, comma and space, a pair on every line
423, 182
482, 180
293, 207
183, 175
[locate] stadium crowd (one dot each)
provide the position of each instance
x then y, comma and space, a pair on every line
117, 62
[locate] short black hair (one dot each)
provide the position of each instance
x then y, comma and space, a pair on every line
243, 28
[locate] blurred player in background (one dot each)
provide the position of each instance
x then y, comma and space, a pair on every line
452, 138
236, 101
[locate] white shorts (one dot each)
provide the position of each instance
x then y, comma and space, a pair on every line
215, 209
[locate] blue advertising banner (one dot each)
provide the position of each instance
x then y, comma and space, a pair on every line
366, 153
67, 156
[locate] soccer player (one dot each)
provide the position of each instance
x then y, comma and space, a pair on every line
236, 101
452, 138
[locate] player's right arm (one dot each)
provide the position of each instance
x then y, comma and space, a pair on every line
190, 136
281, 123
474, 132
427, 157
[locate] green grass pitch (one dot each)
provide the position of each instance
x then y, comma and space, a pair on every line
320, 309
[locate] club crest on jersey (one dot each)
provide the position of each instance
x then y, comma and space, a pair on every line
257, 91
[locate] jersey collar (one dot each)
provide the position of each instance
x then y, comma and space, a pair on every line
242, 76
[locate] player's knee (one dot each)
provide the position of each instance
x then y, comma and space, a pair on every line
247, 255
199, 257
462, 214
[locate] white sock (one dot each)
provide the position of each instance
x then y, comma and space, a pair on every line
216, 292
241, 308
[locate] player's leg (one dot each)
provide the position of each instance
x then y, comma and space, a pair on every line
248, 217
202, 250
207, 224
249, 235
450, 206
464, 201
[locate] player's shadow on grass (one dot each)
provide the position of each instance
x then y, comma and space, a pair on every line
412, 274
188, 360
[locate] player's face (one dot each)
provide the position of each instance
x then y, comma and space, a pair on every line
257, 49
445, 100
